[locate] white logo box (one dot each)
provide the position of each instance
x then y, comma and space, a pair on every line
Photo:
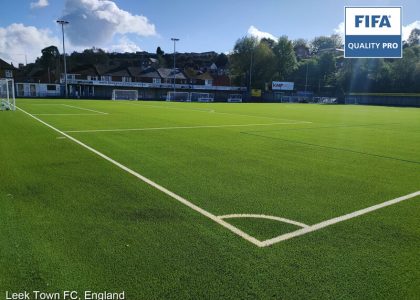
394, 15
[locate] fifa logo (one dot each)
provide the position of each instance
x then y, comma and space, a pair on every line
372, 21
373, 32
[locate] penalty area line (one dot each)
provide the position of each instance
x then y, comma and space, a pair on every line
146, 180
87, 109
182, 127
67, 114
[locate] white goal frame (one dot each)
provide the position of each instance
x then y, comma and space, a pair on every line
235, 98
201, 97
7, 94
132, 95
178, 96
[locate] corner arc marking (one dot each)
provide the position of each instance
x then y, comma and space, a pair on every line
257, 216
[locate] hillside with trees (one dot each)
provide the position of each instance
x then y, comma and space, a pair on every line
317, 65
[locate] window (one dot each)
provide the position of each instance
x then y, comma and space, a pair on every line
106, 78
156, 80
126, 79
8, 74
51, 87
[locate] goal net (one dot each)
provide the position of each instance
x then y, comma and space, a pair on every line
234, 98
7, 94
178, 96
328, 100
125, 95
201, 97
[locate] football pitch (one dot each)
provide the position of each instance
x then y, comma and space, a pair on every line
210, 200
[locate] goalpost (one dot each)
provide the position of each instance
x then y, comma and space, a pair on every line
201, 97
125, 95
178, 96
235, 98
7, 94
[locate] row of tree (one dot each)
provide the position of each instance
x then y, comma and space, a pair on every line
322, 69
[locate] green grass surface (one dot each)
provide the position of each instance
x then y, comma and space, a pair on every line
71, 220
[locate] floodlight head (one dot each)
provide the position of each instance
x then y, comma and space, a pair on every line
62, 22
175, 39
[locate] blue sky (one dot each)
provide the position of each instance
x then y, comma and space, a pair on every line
129, 25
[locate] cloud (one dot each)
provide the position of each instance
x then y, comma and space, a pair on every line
406, 30
124, 45
95, 22
340, 30
39, 4
255, 32
18, 40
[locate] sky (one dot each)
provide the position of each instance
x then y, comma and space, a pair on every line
27, 26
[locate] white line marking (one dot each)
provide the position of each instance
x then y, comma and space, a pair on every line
261, 117
274, 218
179, 108
67, 114
178, 127
87, 109
42, 104
222, 113
164, 190
336, 220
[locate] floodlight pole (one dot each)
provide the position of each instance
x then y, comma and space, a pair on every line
62, 23
174, 40
250, 71
306, 77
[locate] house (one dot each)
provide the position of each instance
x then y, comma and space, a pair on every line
302, 51
221, 80
6, 70
119, 74
198, 77
205, 79
147, 75
168, 76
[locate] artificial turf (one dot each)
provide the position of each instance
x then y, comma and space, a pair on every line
71, 220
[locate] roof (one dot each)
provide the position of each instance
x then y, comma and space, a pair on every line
141, 72
118, 72
102, 69
193, 74
5, 65
85, 70
205, 76
169, 73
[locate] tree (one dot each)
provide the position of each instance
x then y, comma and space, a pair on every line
221, 60
240, 59
403, 70
286, 58
159, 52
49, 57
269, 42
264, 65
414, 38
301, 48
325, 42
306, 76
49, 61
327, 65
